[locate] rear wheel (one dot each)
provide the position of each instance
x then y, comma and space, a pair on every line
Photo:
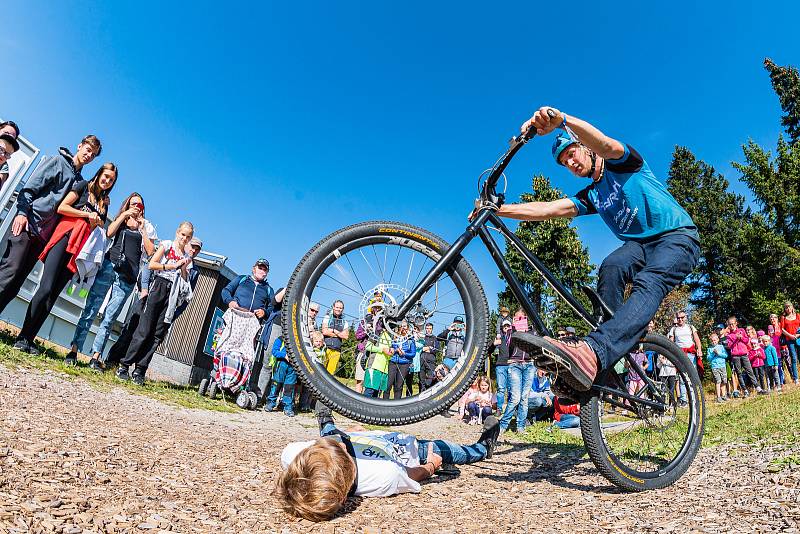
367, 268
650, 442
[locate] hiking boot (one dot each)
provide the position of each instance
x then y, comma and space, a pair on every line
94, 365
491, 431
571, 359
122, 373
71, 358
137, 378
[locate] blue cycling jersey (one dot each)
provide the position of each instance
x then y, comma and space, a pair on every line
632, 202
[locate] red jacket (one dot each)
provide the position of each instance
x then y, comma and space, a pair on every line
78, 229
560, 409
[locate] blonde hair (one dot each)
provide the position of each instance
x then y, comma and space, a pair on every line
317, 336
316, 483
186, 224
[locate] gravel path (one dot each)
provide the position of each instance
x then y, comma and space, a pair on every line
74, 459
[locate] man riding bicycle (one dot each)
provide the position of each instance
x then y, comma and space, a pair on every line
660, 244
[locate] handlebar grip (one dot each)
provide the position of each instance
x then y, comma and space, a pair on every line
527, 136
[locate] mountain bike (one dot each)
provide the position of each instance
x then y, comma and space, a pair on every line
391, 275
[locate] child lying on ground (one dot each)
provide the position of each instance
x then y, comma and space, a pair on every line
320, 475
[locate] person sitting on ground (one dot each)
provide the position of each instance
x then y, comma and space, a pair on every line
319, 476
461, 405
540, 399
717, 356
283, 377
480, 401
566, 415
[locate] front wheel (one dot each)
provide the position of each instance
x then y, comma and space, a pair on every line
354, 276
649, 441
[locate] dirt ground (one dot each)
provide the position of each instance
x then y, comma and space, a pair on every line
75, 459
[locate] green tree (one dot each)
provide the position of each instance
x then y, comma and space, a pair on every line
720, 280
786, 83
556, 244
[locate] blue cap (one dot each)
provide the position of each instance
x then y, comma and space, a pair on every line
458, 319
560, 144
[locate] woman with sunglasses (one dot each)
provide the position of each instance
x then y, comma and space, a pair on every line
131, 238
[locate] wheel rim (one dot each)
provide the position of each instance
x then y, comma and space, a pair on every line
648, 443
362, 270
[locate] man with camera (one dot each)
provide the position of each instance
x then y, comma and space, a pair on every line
453, 337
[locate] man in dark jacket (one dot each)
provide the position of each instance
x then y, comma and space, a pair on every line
250, 293
36, 213
427, 363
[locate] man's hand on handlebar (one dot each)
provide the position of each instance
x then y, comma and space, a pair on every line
545, 120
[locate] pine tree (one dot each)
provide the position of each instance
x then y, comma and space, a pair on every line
720, 280
556, 244
786, 83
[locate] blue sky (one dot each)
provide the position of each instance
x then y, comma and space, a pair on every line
271, 125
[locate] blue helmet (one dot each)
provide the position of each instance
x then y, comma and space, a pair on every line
560, 144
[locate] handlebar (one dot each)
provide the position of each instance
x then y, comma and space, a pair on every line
488, 193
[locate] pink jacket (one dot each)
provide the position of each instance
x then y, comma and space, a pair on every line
737, 342
756, 357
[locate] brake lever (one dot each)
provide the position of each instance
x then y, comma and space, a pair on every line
530, 134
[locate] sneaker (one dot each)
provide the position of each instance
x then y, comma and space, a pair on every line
763, 392
725, 398
473, 420
137, 378
746, 393
94, 365
736, 395
122, 373
289, 413
720, 399
269, 407
571, 359
71, 358
490, 435
24, 345
324, 415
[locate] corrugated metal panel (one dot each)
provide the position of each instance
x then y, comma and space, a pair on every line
185, 335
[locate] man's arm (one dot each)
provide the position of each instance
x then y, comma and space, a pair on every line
227, 292
546, 119
418, 474
539, 211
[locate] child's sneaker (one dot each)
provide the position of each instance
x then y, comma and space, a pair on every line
268, 407
736, 395
720, 399
289, 413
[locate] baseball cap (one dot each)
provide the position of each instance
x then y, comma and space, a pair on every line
458, 319
506, 322
11, 141
196, 242
265, 263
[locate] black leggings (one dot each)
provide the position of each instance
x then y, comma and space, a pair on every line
21, 254
120, 348
397, 379
55, 276
744, 372
151, 323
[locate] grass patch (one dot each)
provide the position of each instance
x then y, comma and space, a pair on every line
52, 360
773, 418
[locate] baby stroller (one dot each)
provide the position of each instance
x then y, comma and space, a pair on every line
233, 359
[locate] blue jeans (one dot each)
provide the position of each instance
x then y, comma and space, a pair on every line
520, 380
283, 377
451, 453
793, 359
654, 268
120, 290
537, 403
568, 421
502, 386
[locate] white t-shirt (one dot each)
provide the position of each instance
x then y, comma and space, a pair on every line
683, 335
381, 458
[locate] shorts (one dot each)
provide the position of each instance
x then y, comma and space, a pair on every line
359, 369
720, 375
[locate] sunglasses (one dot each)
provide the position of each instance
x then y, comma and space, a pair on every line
5, 153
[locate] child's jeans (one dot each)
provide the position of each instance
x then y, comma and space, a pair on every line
568, 421
773, 376
475, 410
760, 373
